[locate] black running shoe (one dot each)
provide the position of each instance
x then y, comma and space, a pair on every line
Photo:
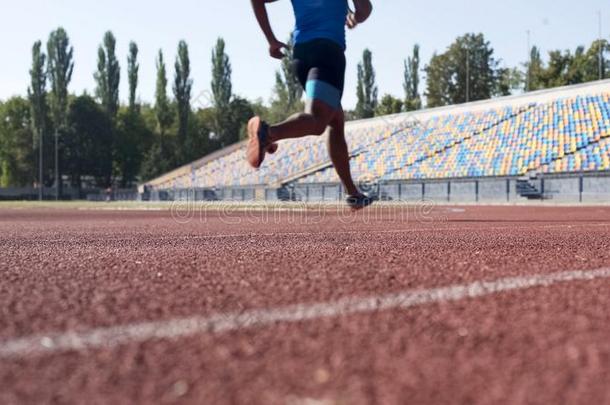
358, 202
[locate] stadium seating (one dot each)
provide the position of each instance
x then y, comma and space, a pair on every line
550, 135
293, 157
561, 136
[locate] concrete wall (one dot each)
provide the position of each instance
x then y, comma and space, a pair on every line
595, 189
436, 192
411, 192
463, 191
562, 190
494, 191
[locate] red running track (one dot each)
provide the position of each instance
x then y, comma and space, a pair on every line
73, 273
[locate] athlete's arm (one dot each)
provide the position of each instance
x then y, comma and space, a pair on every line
364, 8
260, 11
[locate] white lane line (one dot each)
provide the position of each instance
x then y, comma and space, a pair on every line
178, 328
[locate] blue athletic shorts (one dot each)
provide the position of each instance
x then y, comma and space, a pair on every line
320, 67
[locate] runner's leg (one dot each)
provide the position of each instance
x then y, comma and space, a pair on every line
317, 116
339, 154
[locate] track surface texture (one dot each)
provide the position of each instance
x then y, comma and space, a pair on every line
287, 307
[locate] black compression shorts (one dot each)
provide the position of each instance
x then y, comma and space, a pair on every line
320, 67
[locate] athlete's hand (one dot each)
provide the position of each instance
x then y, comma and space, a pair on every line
275, 49
351, 21
363, 10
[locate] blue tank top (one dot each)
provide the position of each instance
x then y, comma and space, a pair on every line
320, 19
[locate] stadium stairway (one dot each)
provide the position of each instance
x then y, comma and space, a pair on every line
527, 189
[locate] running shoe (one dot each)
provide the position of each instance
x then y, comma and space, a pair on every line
360, 201
257, 142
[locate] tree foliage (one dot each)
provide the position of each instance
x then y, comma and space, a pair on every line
37, 92
60, 68
466, 71
88, 142
108, 76
508, 80
17, 168
132, 142
222, 92
389, 105
566, 68
367, 89
411, 81
162, 106
133, 69
288, 91
534, 71
183, 85
37, 96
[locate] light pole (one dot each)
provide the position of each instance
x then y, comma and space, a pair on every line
57, 179
529, 62
40, 179
467, 74
601, 49
40, 157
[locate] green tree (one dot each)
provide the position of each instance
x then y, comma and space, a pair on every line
389, 105
159, 157
287, 91
508, 81
411, 81
133, 134
566, 67
222, 92
534, 71
367, 89
60, 68
201, 126
37, 94
183, 85
131, 145
438, 92
467, 71
591, 66
108, 76
133, 68
88, 142
576, 71
17, 168
556, 72
241, 110
162, 105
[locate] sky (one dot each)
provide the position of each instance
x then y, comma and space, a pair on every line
391, 32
